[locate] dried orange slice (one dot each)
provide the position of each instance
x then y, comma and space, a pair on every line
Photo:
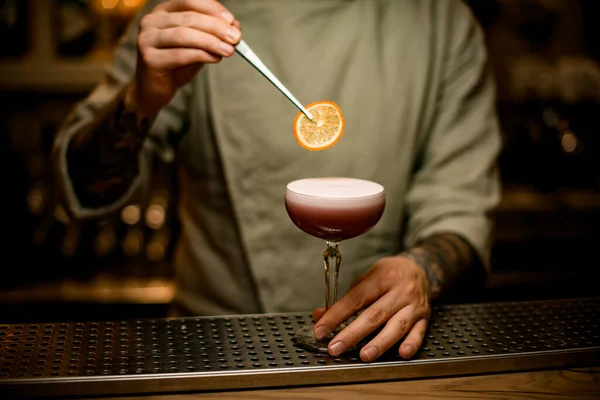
324, 130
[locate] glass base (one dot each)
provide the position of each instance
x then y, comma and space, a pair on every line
305, 337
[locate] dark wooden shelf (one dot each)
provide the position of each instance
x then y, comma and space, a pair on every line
59, 76
101, 290
525, 199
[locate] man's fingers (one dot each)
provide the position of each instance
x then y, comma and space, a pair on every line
210, 7
414, 339
395, 329
188, 32
368, 321
189, 19
353, 301
169, 59
192, 39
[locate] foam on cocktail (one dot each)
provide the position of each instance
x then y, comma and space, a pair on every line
335, 209
324, 191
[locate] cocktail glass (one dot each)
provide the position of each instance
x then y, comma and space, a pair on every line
332, 209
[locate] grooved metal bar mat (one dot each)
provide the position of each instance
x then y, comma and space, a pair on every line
252, 351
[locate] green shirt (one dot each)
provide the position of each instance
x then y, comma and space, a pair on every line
412, 79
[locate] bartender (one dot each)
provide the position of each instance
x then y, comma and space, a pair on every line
413, 81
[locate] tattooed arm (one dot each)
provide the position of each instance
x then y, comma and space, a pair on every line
99, 159
103, 152
98, 153
103, 160
446, 259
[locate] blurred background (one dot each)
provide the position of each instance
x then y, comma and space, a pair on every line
546, 60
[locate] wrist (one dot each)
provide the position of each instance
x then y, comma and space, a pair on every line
428, 264
133, 104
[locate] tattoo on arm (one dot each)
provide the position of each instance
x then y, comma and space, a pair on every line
443, 257
104, 159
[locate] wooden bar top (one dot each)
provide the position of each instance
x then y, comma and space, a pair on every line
555, 384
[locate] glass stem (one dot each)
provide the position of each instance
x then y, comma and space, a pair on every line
332, 259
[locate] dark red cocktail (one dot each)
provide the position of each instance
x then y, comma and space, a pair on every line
333, 209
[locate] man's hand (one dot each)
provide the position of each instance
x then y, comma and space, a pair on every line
395, 294
175, 40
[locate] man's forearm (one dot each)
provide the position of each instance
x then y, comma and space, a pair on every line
103, 160
445, 257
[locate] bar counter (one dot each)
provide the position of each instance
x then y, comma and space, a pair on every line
556, 384
519, 349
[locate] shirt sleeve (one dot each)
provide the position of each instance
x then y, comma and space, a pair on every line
456, 187
93, 114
